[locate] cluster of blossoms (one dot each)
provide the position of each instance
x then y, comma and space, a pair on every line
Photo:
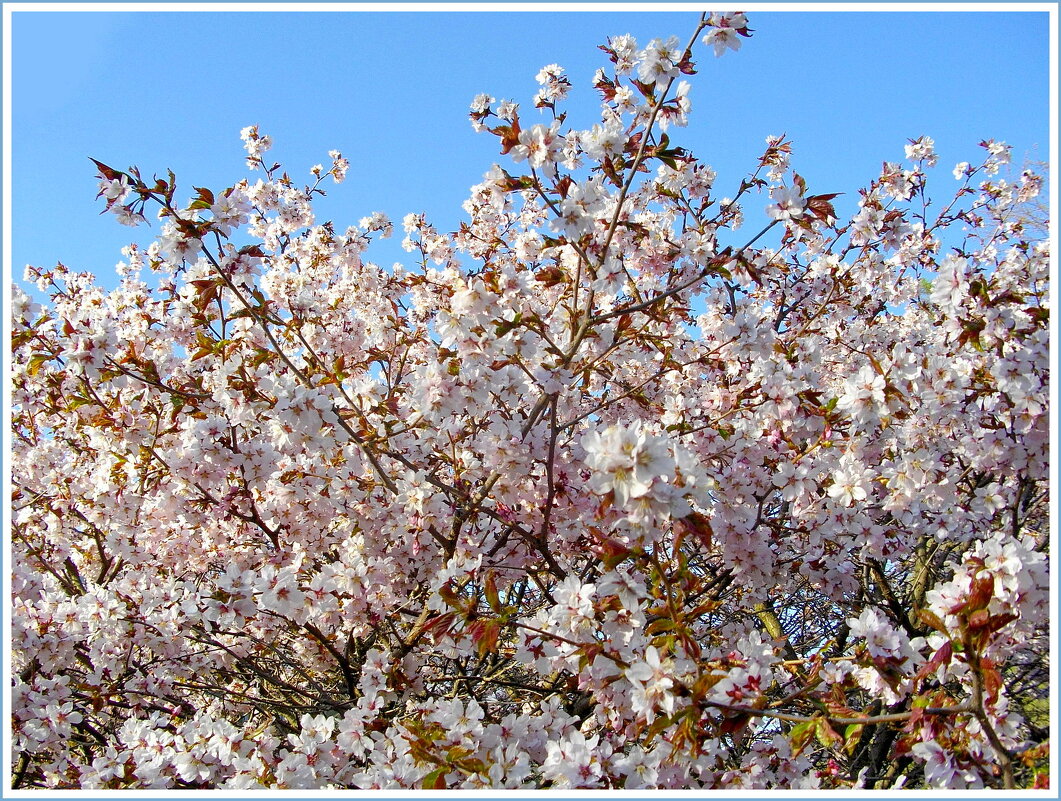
636, 471
596, 493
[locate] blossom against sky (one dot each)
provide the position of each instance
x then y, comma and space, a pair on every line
391, 90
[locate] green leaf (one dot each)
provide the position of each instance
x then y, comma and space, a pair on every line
658, 625
436, 779
800, 735
852, 735
21, 338
505, 326
658, 725
36, 361
490, 590
826, 734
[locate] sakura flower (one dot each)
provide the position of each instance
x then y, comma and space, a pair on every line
574, 598
870, 679
864, 392
555, 84
650, 671
255, 144
104, 768
284, 597
481, 103
608, 455
625, 49
625, 100
788, 203
951, 284
659, 61
941, 770
990, 498
835, 672
115, 190
678, 116
540, 146
573, 761
61, 718
352, 736
340, 166
897, 182
640, 768
178, 246
315, 729
603, 141
652, 680
191, 767
999, 154
620, 582
922, 149
230, 211
507, 110
377, 221
850, 482
794, 480
723, 33
126, 216
626, 461
881, 637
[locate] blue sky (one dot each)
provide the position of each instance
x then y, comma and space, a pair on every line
391, 91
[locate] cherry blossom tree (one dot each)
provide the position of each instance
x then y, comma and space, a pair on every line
600, 490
